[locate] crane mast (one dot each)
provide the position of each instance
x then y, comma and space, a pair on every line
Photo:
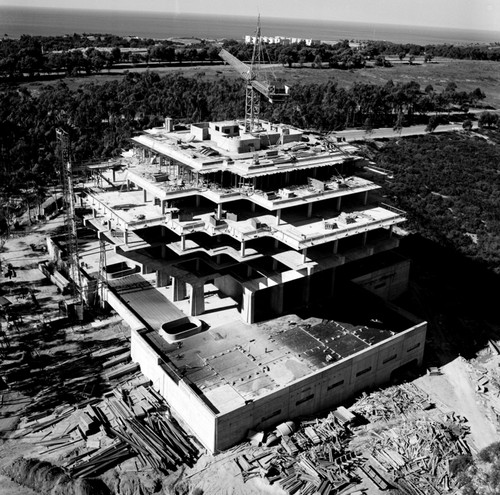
69, 208
256, 83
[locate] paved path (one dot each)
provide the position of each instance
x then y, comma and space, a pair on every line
388, 132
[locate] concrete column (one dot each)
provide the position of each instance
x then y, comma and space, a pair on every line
276, 301
252, 206
278, 216
332, 286
306, 291
113, 174
163, 206
276, 244
275, 264
219, 211
363, 238
145, 195
163, 251
198, 200
162, 278
248, 306
249, 271
309, 210
365, 198
304, 255
335, 246
217, 259
128, 185
339, 203
391, 230
125, 237
94, 213
242, 249
196, 300
178, 289
183, 242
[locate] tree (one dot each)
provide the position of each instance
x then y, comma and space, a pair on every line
487, 119
432, 124
411, 59
398, 126
401, 55
467, 125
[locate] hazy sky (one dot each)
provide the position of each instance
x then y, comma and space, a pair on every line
467, 14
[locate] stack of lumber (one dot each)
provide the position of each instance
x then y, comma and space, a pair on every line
398, 400
416, 454
128, 422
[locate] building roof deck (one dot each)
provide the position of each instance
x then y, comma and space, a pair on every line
182, 147
235, 362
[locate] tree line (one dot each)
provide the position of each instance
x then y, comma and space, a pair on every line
104, 116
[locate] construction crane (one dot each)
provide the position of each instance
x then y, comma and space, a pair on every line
69, 208
257, 81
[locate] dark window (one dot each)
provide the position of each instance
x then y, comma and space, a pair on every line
305, 399
336, 384
412, 348
362, 372
390, 358
217, 128
378, 286
275, 413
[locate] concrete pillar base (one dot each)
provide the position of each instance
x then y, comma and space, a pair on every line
197, 300
248, 307
179, 290
162, 279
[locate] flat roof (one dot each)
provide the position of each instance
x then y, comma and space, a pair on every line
234, 362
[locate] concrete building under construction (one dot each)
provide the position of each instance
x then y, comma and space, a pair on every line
265, 224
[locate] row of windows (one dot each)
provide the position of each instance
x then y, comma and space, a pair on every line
340, 382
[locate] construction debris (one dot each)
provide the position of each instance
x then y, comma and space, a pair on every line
391, 402
128, 422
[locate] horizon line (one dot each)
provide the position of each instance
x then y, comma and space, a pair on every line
246, 16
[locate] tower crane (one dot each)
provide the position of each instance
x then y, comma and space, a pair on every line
69, 207
257, 83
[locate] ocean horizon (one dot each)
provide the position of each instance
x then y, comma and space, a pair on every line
16, 21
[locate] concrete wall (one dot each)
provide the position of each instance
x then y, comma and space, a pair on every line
229, 286
388, 282
181, 397
325, 389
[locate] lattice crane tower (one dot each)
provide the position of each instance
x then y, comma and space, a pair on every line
258, 81
69, 208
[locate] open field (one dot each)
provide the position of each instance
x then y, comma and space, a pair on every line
467, 74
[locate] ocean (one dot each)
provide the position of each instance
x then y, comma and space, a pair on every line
15, 21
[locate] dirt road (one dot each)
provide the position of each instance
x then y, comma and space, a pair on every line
454, 390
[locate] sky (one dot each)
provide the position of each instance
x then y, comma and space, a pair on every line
464, 14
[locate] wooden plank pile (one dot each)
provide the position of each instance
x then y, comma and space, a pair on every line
132, 421
127, 423
416, 454
398, 400
315, 459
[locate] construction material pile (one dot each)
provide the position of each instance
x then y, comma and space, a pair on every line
398, 400
315, 459
127, 423
416, 454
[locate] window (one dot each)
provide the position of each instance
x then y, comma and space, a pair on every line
275, 413
412, 348
336, 384
362, 372
305, 399
217, 128
390, 358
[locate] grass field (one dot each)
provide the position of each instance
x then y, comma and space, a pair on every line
467, 74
